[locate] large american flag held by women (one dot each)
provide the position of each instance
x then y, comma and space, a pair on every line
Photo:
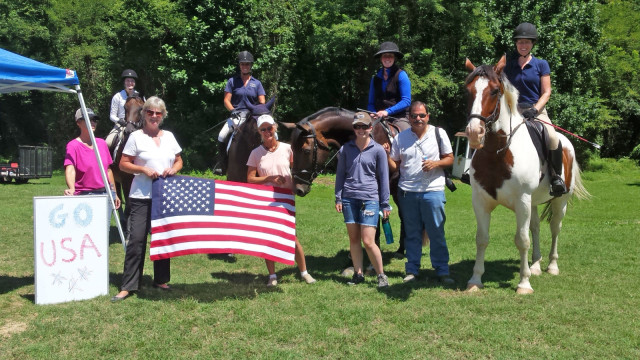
201, 216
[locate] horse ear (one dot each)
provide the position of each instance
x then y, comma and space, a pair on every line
333, 143
270, 103
287, 125
467, 64
500, 65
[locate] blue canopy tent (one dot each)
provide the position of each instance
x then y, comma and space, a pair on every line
18, 73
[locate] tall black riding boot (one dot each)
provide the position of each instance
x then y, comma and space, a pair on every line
221, 165
555, 170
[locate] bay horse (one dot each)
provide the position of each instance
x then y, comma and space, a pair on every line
506, 170
244, 140
314, 136
133, 117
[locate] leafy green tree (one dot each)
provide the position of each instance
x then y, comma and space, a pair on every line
620, 81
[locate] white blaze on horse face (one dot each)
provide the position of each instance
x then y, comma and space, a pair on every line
475, 129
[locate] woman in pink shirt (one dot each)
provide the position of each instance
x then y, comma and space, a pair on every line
81, 171
270, 164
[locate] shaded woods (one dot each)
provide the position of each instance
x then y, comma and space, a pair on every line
312, 54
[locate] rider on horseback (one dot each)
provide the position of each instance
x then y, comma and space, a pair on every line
240, 90
531, 76
116, 114
390, 88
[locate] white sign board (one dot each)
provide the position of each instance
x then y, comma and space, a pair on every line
71, 248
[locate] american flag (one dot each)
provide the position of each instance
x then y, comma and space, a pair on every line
202, 216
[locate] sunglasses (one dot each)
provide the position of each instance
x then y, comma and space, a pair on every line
265, 129
361, 126
415, 116
154, 113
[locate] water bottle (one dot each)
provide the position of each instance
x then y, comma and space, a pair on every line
386, 227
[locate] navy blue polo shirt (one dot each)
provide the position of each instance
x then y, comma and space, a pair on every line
240, 93
527, 80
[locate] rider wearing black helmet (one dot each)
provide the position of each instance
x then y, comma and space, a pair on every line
531, 76
390, 88
240, 89
116, 113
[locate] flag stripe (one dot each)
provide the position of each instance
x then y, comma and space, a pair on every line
213, 241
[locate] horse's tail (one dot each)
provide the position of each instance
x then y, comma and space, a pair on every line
577, 189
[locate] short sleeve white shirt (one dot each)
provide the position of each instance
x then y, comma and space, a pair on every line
410, 150
147, 153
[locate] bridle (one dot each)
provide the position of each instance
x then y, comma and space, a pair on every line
488, 120
314, 170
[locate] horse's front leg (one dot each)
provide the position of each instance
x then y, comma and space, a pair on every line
558, 210
521, 239
483, 220
534, 227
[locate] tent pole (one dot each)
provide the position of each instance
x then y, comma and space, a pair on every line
102, 172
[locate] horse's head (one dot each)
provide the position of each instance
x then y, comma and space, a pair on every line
484, 90
311, 141
133, 112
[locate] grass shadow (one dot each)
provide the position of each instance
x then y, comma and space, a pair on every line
501, 272
10, 283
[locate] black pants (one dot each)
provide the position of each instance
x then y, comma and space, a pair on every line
138, 227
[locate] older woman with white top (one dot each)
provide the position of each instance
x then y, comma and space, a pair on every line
148, 154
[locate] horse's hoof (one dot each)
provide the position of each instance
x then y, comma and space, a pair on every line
348, 272
524, 291
553, 271
471, 288
535, 270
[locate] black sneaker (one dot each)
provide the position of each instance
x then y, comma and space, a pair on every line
356, 279
465, 178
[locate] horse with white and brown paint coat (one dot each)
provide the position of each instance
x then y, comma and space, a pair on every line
505, 170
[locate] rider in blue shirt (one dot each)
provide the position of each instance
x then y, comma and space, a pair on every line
531, 76
390, 88
240, 90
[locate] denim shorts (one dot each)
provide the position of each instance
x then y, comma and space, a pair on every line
363, 212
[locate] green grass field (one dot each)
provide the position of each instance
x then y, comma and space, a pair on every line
222, 309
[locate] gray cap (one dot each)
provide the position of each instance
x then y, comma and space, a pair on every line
361, 118
90, 112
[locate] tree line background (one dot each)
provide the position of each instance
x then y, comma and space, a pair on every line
313, 54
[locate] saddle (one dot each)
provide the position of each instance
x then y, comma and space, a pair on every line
539, 137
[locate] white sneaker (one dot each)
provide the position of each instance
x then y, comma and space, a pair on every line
410, 277
272, 282
383, 281
308, 278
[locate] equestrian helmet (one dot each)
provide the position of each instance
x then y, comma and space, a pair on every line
245, 56
129, 74
526, 31
389, 47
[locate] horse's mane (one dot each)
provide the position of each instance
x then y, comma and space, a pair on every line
510, 92
336, 111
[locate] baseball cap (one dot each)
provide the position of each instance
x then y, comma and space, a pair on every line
361, 118
266, 118
90, 112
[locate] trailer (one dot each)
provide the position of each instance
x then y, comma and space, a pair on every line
34, 162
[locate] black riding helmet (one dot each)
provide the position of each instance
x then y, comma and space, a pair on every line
526, 31
389, 47
129, 74
245, 56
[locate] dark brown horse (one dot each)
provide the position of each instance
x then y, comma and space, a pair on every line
314, 136
133, 117
244, 140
